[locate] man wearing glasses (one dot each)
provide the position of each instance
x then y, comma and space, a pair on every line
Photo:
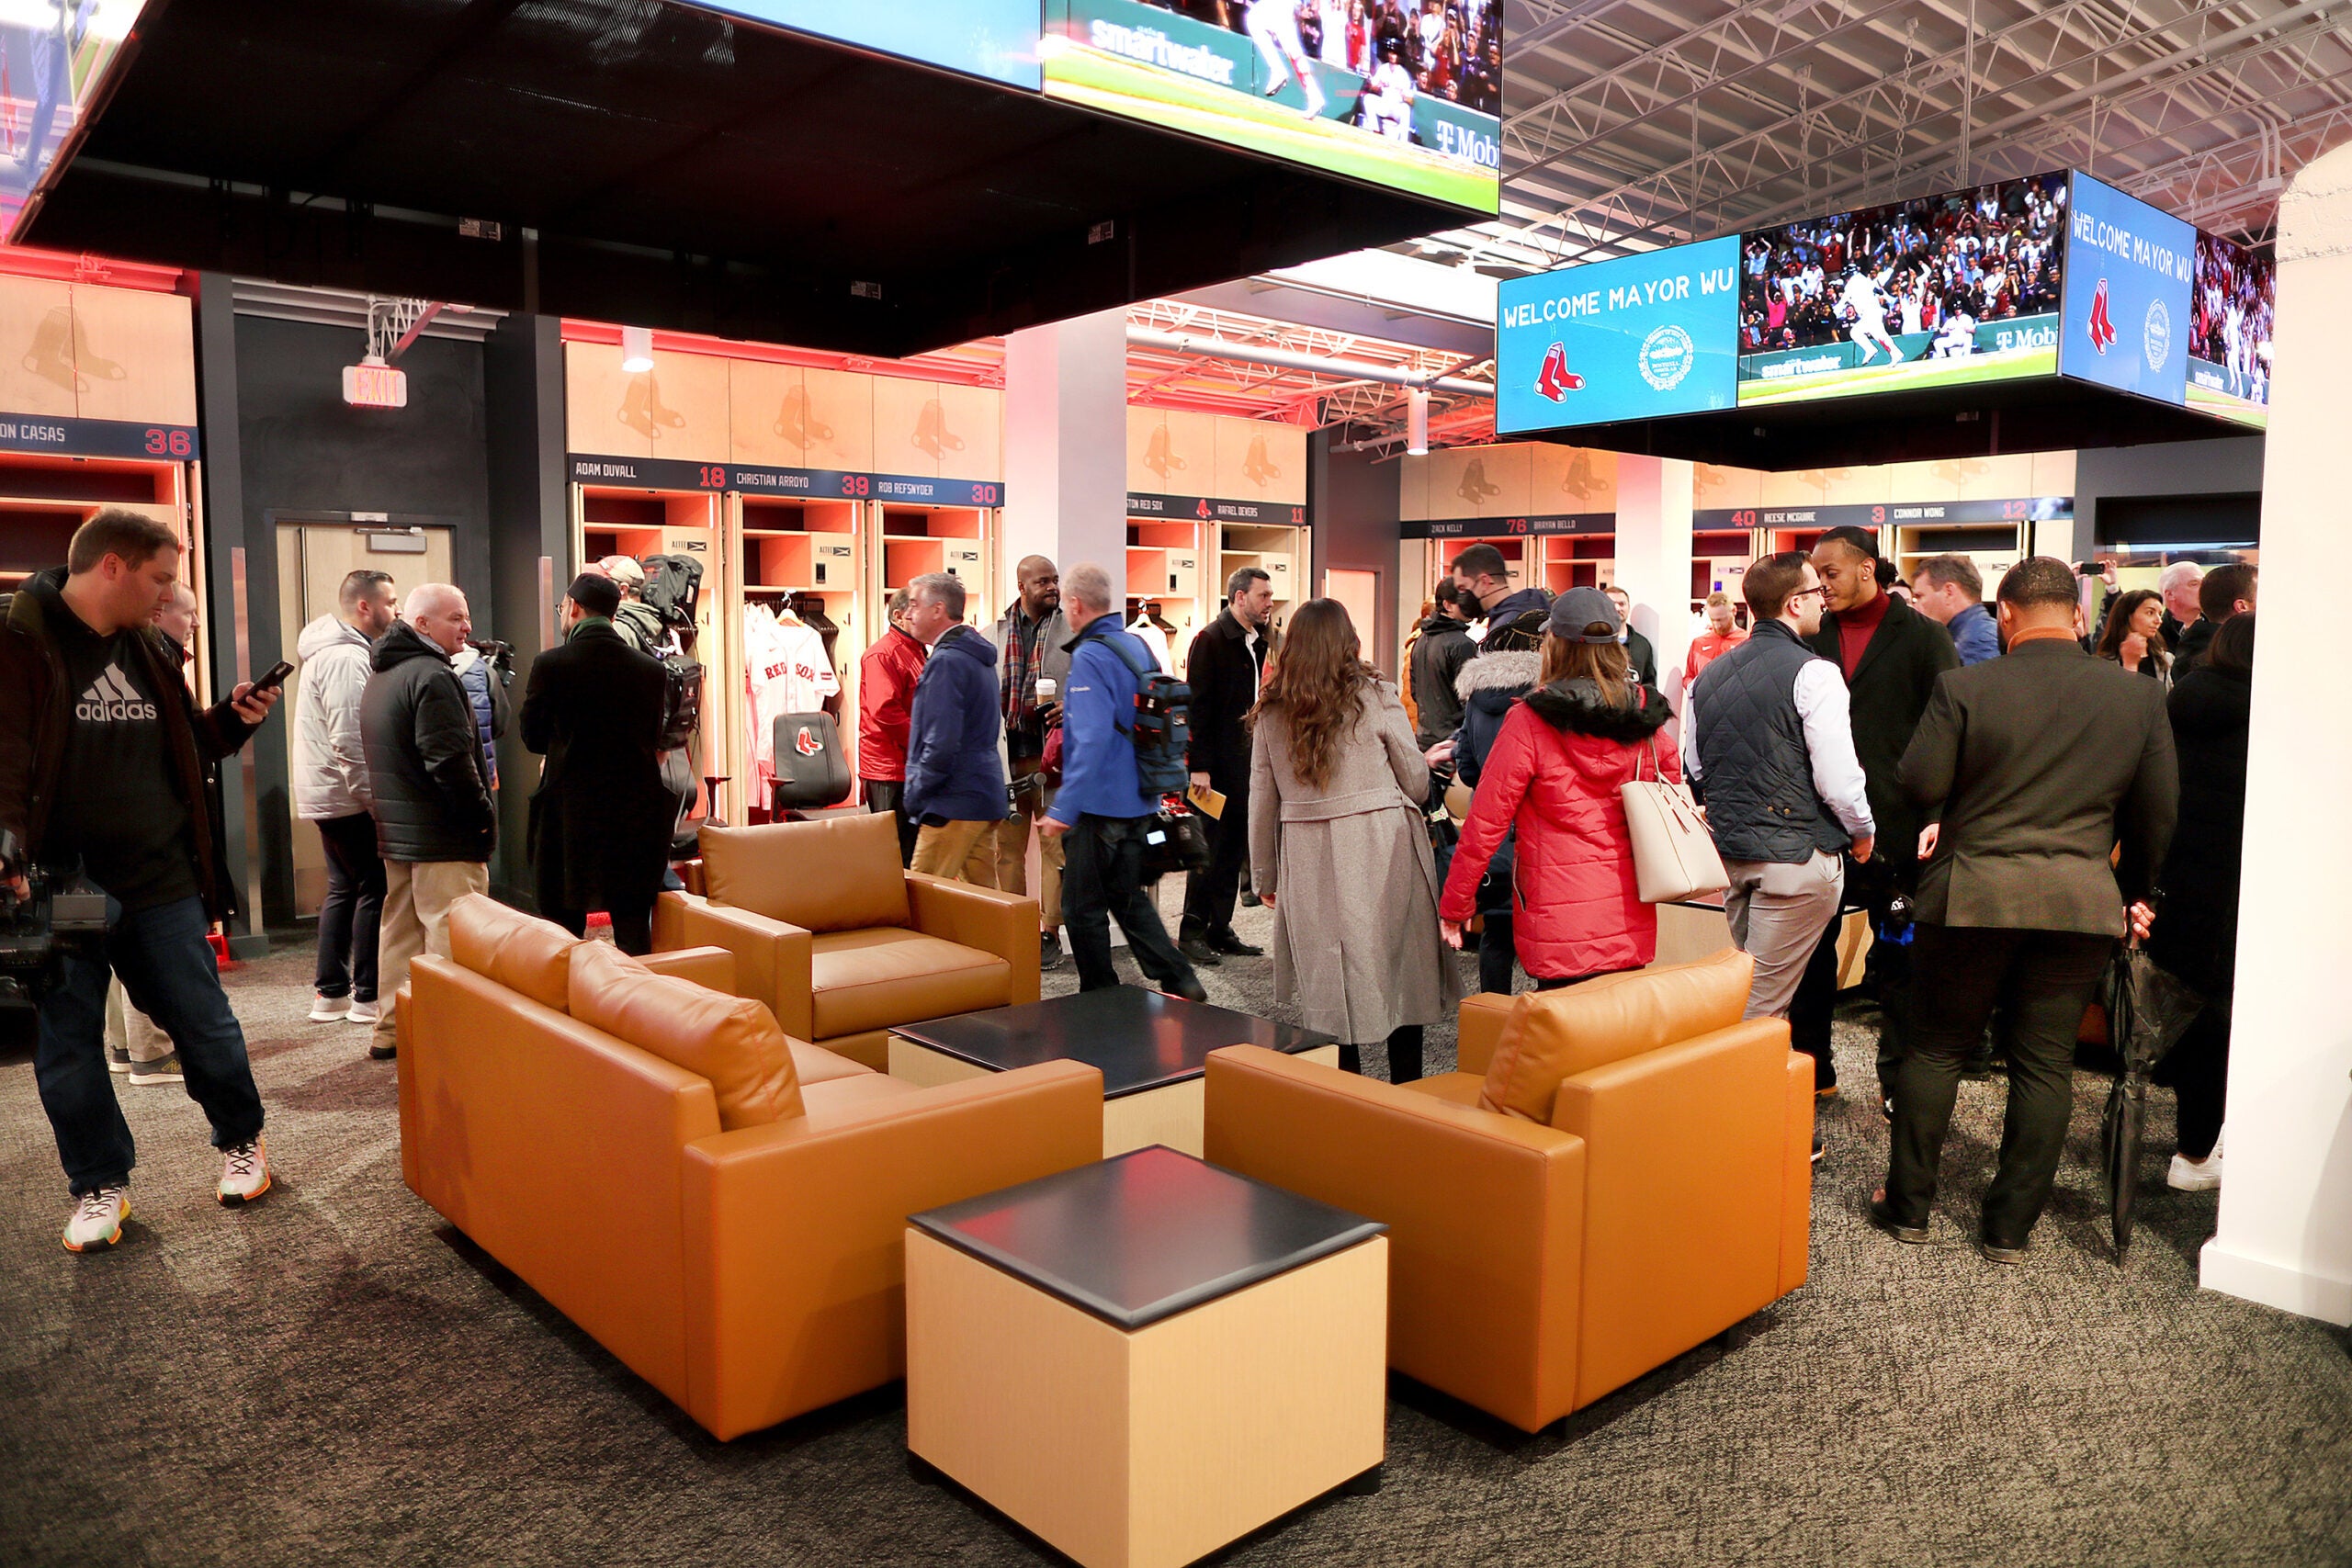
1766, 733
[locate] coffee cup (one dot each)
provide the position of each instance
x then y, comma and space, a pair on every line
1048, 688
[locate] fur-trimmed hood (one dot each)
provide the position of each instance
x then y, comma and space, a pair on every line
1577, 706
1494, 680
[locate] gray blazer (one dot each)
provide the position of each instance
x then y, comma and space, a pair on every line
2039, 764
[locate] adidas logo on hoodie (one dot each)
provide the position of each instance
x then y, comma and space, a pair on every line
113, 700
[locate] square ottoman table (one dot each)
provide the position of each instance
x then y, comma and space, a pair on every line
1150, 1047
1143, 1359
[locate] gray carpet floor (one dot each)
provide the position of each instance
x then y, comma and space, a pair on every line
336, 1376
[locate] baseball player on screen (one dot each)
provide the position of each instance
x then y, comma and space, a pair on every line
1862, 296
1387, 101
1273, 24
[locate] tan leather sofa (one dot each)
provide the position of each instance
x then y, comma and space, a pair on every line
843, 943
1621, 1170
719, 1206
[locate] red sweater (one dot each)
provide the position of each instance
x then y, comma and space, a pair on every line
1856, 627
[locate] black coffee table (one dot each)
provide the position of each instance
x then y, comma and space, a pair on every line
1149, 1046
1143, 1359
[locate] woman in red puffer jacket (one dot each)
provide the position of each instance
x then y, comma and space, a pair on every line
1555, 774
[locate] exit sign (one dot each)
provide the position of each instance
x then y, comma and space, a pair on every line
374, 387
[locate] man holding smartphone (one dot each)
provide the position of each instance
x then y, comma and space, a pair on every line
102, 759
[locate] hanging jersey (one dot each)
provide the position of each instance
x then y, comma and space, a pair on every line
788, 674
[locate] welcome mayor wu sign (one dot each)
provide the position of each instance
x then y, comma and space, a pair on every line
1636, 337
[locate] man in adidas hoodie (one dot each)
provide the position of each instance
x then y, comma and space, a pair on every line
102, 757
331, 789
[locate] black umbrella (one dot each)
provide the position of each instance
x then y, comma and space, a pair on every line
2148, 1009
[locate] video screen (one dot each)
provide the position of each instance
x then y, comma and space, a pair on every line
2232, 306
1643, 336
1405, 94
1966, 286
992, 39
53, 59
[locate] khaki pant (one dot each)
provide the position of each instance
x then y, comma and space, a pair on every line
957, 849
132, 1029
1778, 913
1012, 854
417, 896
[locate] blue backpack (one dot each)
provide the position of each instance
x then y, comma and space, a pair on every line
1161, 728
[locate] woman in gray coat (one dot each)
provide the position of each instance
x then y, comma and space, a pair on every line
1341, 850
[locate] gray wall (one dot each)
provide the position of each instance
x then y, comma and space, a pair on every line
2228, 467
1353, 502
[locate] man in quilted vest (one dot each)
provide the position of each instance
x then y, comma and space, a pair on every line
1767, 734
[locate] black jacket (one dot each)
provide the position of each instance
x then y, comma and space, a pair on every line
424, 756
2038, 765
34, 705
2196, 933
1889, 690
1438, 654
1641, 657
601, 818
1224, 676
2194, 641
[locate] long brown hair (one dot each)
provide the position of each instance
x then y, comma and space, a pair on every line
1602, 663
2118, 627
1316, 682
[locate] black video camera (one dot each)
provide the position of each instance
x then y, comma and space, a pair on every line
54, 917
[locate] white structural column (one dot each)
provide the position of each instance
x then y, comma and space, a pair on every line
1066, 446
2286, 1226
1654, 558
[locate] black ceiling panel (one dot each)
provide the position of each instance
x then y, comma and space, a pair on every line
676, 169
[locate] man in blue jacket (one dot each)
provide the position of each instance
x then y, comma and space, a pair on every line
1949, 588
1102, 806
954, 772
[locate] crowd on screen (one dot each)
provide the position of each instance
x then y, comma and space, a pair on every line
2234, 313
1447, 49
1938, 265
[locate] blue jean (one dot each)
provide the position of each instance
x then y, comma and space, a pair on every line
168, 973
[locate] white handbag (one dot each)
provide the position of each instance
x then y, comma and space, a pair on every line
1674, 854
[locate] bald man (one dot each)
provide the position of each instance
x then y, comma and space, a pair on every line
435, 818
1033, 665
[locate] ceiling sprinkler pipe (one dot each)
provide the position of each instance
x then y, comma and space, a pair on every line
1322, 365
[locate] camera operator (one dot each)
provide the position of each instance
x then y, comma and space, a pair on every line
102, 758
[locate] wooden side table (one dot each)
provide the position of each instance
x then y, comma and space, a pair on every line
1144, 1359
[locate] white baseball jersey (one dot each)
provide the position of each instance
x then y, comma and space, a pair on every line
788, 672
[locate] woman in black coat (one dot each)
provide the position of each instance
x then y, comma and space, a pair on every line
2196, 933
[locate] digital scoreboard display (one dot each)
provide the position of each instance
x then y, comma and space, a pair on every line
1636, 337
1410, 98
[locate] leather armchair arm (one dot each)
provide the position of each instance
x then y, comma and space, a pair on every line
1796, 1164
1686, 1181
982, 917
772, 958
713, 968
1482, 1018
796, 1250
1485, 1217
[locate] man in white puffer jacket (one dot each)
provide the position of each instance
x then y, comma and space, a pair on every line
330, 788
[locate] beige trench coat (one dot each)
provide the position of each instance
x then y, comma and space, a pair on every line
1348, 865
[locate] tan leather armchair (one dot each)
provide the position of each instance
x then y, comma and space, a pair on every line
720, 1207
843, 943
1622, 1170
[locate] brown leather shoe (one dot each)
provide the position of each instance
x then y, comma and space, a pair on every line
1883, 1218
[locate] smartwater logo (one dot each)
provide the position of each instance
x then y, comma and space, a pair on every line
113, 700
1154, 48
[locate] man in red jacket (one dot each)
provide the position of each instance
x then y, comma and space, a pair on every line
886, 694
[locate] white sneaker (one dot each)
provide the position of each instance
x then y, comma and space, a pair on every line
2187, 1175
328, 1009
362, 1012
246, 1175
96, 1221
